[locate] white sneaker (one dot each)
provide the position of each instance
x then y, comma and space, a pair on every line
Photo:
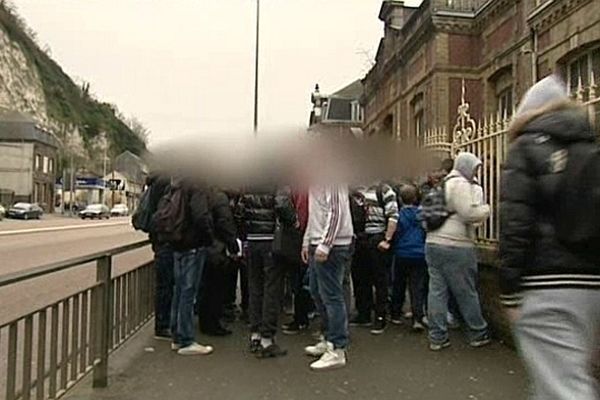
195, 349
332, 359
175, 346
319, 349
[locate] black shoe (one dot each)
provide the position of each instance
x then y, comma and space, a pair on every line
254, 346
361, 321
218, 331
163, 334
294, 328
271, 351
379, 326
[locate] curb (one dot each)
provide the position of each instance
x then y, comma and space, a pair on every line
61, 228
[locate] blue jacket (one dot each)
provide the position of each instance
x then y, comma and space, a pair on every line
410, 236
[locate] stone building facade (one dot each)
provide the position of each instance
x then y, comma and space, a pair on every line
499, 48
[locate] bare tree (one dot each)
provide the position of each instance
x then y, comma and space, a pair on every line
138, 128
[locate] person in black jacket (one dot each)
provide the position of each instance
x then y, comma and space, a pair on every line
189, 259
258, 211
552, 294
211, 299
163, 262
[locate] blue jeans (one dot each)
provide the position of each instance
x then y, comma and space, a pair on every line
453, 270
163, 264
327, 289
188, 267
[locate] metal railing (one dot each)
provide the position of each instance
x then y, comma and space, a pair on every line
50, 349
488, 140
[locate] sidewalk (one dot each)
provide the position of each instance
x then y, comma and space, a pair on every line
396, 365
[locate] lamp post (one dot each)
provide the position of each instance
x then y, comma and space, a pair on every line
256, 68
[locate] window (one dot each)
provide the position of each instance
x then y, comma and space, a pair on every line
45, 165
420, 128
505, 102
357, 112
38, 162
581, 71
51, 166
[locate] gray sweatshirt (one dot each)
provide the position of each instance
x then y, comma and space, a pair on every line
329, 218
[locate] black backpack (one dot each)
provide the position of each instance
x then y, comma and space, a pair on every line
358, 211
142, 217
434, 208
577, 216
170, 218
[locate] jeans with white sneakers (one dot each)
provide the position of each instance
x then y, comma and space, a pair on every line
327, 289
188, 267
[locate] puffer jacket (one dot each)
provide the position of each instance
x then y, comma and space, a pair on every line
259, 210
225, 231
531, 256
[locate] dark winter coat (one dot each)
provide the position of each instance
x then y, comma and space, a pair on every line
531, 256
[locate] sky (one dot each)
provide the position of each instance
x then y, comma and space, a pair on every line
186, 67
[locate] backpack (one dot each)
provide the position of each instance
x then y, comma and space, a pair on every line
434, 209
170, 218
577, 216
142, 217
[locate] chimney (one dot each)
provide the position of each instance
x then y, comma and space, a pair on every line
392, 14
316, 100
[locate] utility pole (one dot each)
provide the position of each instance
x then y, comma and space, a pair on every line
104, 169
256, 68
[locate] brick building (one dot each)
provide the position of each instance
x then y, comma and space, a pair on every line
499, 48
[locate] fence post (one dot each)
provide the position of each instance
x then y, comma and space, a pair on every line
103, 304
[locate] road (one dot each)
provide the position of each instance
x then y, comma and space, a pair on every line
24, 251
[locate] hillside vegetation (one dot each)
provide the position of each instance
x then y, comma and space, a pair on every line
67, 103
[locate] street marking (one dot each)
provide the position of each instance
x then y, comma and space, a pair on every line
62, 228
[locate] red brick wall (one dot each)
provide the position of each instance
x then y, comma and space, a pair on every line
465, 50
473, 95
501, 36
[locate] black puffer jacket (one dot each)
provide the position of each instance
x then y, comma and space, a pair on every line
225, 231
258, 212
531, 255
158, 184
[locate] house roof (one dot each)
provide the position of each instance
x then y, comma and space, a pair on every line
352, 91
17, 126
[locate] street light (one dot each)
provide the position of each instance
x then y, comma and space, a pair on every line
256, 68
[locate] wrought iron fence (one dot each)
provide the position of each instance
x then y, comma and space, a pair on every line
488, 140
48, 350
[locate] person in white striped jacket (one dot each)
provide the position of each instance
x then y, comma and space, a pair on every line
327, 250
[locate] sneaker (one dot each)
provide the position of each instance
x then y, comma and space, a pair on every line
318, 335
484, 341
293, 328
195, 349
175, 346
439, 346
318, 349
163, 335
271, 351
332, 359
254, 346
418, 326
378, 327
396, 320
360, 321
408, 315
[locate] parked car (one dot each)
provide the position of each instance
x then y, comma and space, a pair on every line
119, 210
2, 212
95, 211
25, 211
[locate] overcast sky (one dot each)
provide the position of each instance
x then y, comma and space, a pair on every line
186, 67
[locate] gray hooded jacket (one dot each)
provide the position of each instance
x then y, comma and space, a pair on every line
464, 199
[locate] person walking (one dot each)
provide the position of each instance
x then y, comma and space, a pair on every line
452, 259
550, 287
327, 249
